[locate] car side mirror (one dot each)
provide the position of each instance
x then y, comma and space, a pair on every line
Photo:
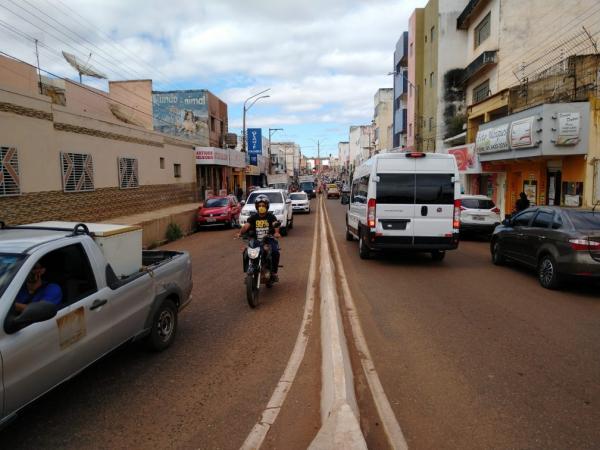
243, 202
506, 222
33, 313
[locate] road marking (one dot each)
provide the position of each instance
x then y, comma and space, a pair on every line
258, 433
388, 418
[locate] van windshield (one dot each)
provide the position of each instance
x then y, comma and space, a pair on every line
420, 188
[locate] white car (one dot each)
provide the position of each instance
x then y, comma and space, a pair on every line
280, 205
300, 202
478, 214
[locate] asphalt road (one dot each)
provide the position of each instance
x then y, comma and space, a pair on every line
477, 356
208, 390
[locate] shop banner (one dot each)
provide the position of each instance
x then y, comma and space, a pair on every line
212, 156
568, 128
466, 159
254, 141
494, 139
521, 133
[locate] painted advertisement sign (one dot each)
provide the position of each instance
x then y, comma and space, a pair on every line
254, 138
494, 139
569, 124
466, 159
521, 133
181, 113
212, 156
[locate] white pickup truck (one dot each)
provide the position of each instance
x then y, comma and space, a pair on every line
77, 310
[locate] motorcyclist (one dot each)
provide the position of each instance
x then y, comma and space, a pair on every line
264, 224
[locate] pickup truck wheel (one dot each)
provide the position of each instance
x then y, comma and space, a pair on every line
283, 231
291, 225
164, 326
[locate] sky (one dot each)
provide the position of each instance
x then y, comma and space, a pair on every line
323, 60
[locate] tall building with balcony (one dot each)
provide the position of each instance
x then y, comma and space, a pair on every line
414, 107
399, 138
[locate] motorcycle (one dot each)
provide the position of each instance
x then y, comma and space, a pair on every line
257, 267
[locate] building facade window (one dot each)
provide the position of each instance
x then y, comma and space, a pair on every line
162, 162
410, 129
411, 49
177, 170
128, 173
430, 123
481, 91
77, 172
10, 181
431, 79
482, 30
432, 34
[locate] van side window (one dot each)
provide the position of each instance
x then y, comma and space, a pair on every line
396, 188
434, 189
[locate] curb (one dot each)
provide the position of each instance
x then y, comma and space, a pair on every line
339, 410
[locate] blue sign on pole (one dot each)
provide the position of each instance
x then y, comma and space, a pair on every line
254, 138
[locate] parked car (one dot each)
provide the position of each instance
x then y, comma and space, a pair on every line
220, 211
558, 242
478, 214
300, 202
332, 191
280, 205
93, 310
405, 202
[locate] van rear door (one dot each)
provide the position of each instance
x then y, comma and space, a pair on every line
395, 195
434, 201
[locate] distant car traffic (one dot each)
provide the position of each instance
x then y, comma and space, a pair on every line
478, 214
222, 211
557, 242
300, 202
309, 188
332, 191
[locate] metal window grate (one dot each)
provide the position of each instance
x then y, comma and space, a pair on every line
10, 182
77, 172
128, 173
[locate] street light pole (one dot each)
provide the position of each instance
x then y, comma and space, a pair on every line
246, 108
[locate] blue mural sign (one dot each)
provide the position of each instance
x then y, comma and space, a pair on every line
254, 137
181, 113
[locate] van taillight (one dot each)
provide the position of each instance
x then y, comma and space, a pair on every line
371, 213
456, 220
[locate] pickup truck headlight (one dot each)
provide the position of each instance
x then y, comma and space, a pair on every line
278, 211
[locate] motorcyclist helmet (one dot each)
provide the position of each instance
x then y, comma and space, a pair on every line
261, 203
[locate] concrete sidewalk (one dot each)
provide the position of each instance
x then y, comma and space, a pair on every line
154, 223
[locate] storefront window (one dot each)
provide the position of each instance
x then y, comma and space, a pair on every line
572, 193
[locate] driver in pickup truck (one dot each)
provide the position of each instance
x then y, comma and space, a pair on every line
35, 289
263, 223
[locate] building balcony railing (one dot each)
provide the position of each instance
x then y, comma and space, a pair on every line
483, 61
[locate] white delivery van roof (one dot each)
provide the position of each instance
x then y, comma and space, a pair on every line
397, 162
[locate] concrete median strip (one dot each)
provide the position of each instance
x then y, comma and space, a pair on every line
339, 411
391, 426
259, 431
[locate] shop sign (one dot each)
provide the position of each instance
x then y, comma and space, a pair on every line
237, 159
489, 167
494, 139
252, 170
466, 159
212, 156
568, 128
521, 133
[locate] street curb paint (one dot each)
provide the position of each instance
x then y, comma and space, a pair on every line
339, 410
390, 424
259, 432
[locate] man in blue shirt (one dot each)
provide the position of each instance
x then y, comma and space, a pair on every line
35, 289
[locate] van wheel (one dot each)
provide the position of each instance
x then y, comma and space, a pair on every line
548, 272
363, 250
291, 225
438, 255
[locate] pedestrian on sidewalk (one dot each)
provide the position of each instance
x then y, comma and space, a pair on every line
523, 202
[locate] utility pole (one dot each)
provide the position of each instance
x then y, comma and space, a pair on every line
318, 156
37, 56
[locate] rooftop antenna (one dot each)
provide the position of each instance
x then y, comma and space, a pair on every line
83, 68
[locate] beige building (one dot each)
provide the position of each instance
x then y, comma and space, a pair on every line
77, 153
383, 118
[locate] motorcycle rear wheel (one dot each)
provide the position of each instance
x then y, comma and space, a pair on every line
252, 290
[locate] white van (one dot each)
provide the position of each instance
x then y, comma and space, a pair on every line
405, 201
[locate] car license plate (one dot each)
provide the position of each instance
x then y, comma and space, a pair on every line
210, 219
478, 218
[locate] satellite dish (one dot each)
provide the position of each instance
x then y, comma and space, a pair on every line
83, 68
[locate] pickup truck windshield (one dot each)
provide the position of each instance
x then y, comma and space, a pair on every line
9, 264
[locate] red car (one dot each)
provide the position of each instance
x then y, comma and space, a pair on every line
224, 211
